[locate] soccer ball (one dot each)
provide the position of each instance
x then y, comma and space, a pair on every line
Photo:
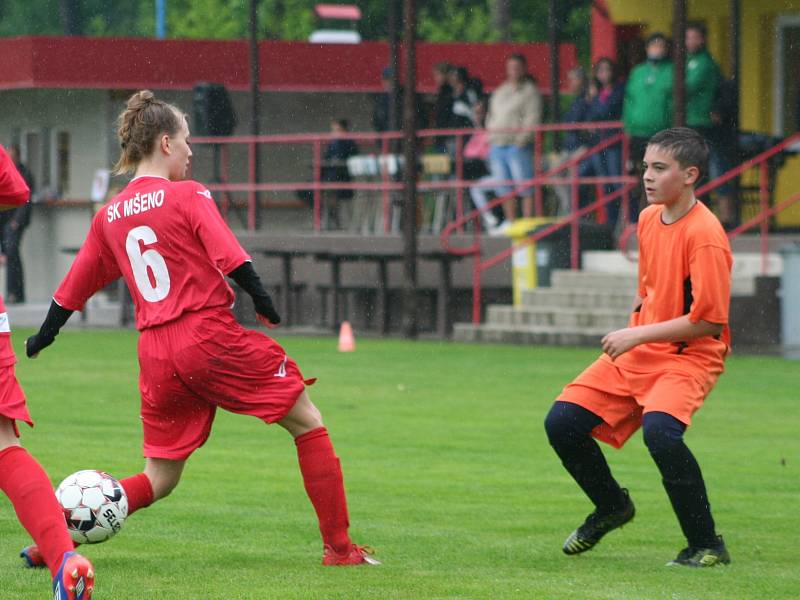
94, 504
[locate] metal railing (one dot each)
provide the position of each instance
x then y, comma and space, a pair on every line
548, 178
765, 211
378, 145
760, 220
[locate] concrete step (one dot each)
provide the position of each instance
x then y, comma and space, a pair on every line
556, 316
584, 298
590, 281
531, 335
567, 278
745, 264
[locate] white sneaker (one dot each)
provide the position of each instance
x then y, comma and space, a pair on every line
500, 230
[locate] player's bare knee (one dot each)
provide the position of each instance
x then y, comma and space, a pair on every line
163, 487
303, 417
314, 418
8, 436
164, 476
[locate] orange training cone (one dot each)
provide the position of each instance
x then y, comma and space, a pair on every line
347, 341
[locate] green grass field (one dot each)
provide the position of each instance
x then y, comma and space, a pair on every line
449, 477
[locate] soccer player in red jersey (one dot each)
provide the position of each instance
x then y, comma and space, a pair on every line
658, 371
164, 235
22, 478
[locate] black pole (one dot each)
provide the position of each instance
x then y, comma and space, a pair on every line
254, 100
68, 11
394, 50
679, 63
735, 33
410, 322
555, 68
501, 18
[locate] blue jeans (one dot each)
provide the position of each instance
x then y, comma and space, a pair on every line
608, 163
511, 163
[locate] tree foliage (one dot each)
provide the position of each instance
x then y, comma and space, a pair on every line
439, 20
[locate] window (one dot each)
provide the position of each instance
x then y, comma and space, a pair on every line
787, 75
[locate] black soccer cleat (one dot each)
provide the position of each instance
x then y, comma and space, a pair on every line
596, 526
697, 556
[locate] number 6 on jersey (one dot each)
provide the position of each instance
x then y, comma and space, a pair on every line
140, 261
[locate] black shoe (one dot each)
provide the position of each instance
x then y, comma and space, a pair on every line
596, 526
697, 556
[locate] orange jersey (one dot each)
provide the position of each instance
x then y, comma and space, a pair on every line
684, 269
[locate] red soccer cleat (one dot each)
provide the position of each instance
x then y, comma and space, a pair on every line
75, 578
356, 555
33, 558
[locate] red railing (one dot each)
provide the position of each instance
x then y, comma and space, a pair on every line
382, 142
479, 264
761, 161
765, 212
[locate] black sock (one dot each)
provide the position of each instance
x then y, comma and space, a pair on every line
681, 476
569, 429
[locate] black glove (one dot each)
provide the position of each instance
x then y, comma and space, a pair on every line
247, 279
56, 318
266, 308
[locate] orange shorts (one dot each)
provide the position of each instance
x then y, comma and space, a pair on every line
620, 397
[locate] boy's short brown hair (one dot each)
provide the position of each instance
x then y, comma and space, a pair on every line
685, 145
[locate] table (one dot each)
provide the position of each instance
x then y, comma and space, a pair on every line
382, 258
286, 279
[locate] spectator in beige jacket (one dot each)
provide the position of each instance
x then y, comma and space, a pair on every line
516, 104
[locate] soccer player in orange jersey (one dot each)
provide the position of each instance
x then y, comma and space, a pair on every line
22, 479
656, 372
165, 237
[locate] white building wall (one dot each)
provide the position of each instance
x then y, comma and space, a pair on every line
88, 116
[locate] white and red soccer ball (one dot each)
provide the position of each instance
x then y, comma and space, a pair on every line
95, 506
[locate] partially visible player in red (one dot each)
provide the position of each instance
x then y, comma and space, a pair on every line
164, 235
658, 371
21, 477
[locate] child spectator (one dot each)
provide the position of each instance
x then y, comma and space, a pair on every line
334, 169
606, 94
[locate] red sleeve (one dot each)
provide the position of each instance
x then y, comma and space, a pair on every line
220, 244
13, 189
710, 272
93, 269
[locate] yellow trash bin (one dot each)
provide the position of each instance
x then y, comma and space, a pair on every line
523, 260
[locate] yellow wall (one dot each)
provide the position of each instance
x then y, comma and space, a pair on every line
757, 45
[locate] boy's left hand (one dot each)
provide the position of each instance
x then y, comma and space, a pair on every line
618, 342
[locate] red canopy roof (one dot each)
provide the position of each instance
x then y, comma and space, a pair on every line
348, 12
128, 63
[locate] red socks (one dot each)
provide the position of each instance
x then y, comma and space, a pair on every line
139, 491
30, 491
322, 476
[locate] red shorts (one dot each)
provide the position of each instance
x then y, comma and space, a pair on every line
12, 398
620, 397
203, 360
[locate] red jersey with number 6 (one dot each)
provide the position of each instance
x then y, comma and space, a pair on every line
169, 242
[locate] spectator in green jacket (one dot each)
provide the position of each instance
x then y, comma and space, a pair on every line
703, 78
647, 107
